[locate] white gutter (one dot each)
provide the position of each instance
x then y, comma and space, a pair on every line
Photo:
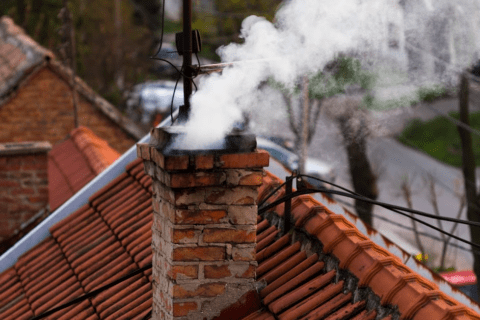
41, 231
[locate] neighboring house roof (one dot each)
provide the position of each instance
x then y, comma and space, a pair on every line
74, 162
21, 57
303, 273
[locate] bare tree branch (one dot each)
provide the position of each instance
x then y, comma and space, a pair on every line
430, 180
316, 107
291, 116
406, 188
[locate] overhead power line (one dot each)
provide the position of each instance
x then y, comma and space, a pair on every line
454, 121
394, 208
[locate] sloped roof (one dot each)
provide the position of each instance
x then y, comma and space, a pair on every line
74, 162
19, 54
302, 273
21, 57
100, 242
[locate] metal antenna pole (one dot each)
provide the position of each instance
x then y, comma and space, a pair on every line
187, 59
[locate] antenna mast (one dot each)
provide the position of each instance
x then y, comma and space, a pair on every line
187, 59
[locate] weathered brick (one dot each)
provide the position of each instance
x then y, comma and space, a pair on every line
217, 271
236, 195
243, 214
257, 159
185, 291
38, 199
22, 191
204, 162
199, 216
249, 273
198, 253
197, 179
164, 209
157, 157
185, 235
9, 183
181, 309
183, 272
185, 197
143, 151
215, 235
237, 270
163, 192
243, 253
162, 176
176, 163
240, 177
149, 168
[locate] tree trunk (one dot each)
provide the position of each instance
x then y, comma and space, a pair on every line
21, 13
468, 168
119, 78
363, 178
304, 126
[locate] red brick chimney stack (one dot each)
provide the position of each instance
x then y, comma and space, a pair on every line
23, 183
204, 230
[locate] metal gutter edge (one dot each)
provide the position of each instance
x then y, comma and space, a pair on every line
41, 231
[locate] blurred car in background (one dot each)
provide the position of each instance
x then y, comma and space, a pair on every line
314, 167
151, 99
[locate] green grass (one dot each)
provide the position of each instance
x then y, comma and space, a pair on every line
439, 138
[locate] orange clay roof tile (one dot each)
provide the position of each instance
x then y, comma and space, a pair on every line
111, 236
74, 162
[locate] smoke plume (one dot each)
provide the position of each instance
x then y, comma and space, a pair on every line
304, 37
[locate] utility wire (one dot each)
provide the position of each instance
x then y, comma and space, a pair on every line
312, 190
424, 234
163, 25
392, 206
92, 293
455, 121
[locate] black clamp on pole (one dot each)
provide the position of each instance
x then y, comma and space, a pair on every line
287, 222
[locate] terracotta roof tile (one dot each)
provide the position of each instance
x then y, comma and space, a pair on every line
74, 162
365, 315
124, 302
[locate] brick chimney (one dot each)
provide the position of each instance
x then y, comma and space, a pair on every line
23, 183
204, 229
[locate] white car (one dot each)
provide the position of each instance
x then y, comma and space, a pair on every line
289, 159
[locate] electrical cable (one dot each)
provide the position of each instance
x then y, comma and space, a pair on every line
173, 96
92, 293
174, 66
424, 234
273, 192
455, 121
163, 25
312, 190
358, 196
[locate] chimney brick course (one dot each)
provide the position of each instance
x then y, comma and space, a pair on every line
204, 230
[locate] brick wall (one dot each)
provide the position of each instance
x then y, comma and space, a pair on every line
42, 109
204, 230
23, 183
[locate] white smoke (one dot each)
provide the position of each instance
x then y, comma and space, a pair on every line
305, 35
